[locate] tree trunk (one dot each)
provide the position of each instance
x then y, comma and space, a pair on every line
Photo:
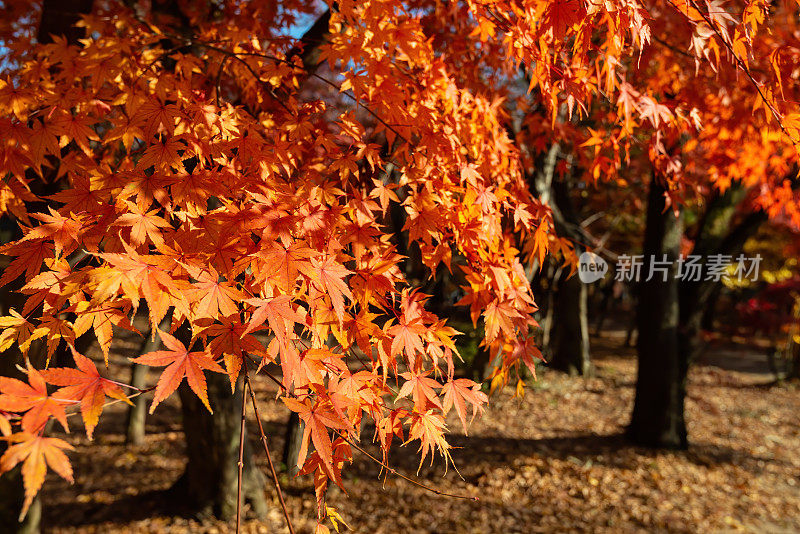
794, 362
658, 413
209, 484
570, 324
137, 414
570, 336
710, 308
292, 443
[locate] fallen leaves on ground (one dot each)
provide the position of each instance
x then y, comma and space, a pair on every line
553, 461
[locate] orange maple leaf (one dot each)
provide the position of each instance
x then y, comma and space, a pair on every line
232, 341
213, 297
318, 419
62, 231
84, 384
143, 224
421, 389
330, 275
180, 363
460, 391
429, 427
30, 254
498, 316
17, 396
36, 453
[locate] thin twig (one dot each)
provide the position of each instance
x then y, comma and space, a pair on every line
241, 462
401, 475
249, 388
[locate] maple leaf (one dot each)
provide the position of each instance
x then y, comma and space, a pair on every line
407, 337
180, 363
63, 231
102, 320
525, 351
384, 193
84, 384
55, 329
541, 242
421, 388
499, 316
318, 419
32, 399
653, 111
429, 428
30, 254
162, 155
134, 272
460, 391
212, 297
16, 329
16, 98
76, 128
330, 275
154, 114
563, 15
143, 225
232, 340
36, 453
277, 312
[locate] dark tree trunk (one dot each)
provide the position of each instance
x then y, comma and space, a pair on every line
697, 298
569, 336
601, 311
570, 329
658, 413
292, 443
710, 308
209, 484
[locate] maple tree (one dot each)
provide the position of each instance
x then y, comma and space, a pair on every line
207, 164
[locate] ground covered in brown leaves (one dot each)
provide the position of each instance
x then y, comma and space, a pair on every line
554, 461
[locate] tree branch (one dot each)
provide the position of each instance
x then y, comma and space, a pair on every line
249, 389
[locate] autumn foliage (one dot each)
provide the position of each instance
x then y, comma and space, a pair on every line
203, 165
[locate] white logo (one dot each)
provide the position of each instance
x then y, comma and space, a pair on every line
591, 267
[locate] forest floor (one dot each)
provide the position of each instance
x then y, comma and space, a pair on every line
553, 461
